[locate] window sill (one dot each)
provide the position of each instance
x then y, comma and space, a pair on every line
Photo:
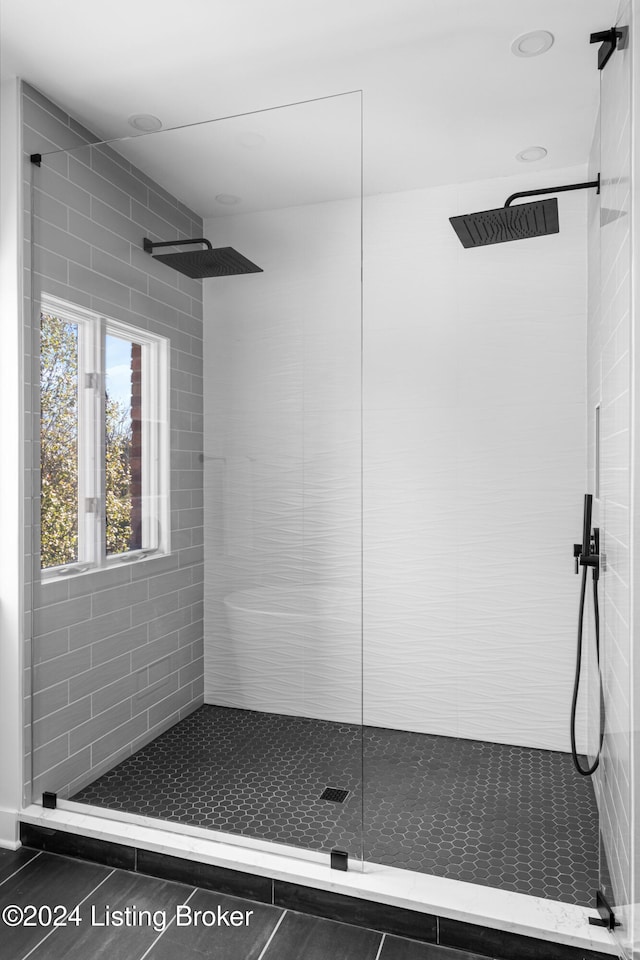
77, 570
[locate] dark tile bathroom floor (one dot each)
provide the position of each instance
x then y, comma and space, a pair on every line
270, 933
502, 816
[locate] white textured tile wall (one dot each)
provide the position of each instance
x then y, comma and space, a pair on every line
474, 447
609, 383
282, 465
474, 467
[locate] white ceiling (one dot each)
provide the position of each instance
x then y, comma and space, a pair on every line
444, 98
310, 154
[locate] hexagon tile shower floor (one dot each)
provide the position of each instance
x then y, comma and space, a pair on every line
489, 813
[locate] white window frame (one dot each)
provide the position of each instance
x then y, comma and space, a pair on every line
93, 329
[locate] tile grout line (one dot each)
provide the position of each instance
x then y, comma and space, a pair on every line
384, 937
53, 929
273, 933
39, 853
171, 922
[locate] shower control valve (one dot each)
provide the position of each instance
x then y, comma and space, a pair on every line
592, 558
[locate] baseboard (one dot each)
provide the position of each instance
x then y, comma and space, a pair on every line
9, 830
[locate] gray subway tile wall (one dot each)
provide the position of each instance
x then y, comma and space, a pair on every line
117, 654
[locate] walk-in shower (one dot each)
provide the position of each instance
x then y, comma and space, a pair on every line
198, 650
299, 557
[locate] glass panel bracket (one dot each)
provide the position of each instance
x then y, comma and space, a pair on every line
607, 917
339, 859
609, 40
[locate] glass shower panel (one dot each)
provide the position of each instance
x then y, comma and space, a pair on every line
614, 778
197, 642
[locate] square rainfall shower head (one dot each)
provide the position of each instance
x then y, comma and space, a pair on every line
518, 222
219, 262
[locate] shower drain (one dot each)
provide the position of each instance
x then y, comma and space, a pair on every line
335, 795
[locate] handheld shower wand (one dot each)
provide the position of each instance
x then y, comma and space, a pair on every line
587, 554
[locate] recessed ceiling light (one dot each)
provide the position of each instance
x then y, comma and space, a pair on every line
145, 122
531, 153
228, 198
532, 44
251, 140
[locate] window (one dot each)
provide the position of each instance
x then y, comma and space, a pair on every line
104, 400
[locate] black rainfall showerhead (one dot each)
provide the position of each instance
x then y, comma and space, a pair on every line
536, 219
507, 223
221, 262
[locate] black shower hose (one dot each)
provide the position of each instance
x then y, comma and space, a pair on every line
588, 771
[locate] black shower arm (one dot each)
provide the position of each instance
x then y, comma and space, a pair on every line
568, 186
148, 245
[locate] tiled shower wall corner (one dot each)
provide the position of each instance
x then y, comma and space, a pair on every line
117, 654
609, 373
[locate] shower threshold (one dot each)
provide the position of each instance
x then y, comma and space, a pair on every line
451, 908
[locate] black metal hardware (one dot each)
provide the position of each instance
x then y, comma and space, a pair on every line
36, 158
587, 553
201, 264
339, 859
522, 221
592, 558
562, 189
609, 40
148, 246
49, 800
607, 917
577, 552
586, 524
